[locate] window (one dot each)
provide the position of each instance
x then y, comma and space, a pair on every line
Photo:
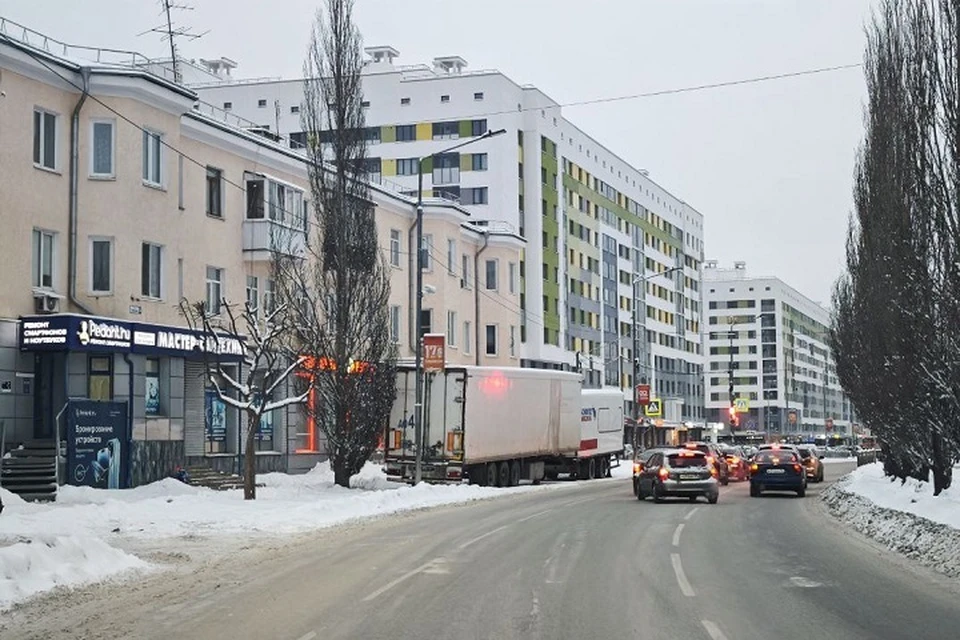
479, 127
101, 262
452, 328
150, 269
268, 296
446, 130
444, 98
427, 257
446, 168
512, 277
467, 337
406, 133
395, 247
214, 192
101, 149
100, 378
152, 387
255, 199
407, 166
214, 290
491, 275
479, 162
451, 256
227, 106
404, 102
43, 248
513, 341
395, 323
426, 321
298, 140
261, 104
295, 108
152, 157
253, 294
491, 331
372, 134
475, 195
478, 95
44, 139
465, 263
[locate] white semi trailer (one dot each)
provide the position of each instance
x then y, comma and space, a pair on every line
493, 426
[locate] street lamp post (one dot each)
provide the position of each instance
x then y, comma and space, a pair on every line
636, 343
418, 366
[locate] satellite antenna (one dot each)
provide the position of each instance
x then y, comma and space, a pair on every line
172, 32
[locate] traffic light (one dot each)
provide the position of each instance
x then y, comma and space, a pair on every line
733, 416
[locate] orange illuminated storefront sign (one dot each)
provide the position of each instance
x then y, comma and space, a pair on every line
309, 366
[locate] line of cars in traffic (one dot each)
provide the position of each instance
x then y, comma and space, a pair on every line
698, 469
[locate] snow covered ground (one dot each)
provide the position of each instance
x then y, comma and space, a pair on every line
905, 517
837, 460
90, 535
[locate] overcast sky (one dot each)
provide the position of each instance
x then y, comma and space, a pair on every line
769, 165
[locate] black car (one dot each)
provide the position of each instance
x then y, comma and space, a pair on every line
714, 456
777, 470
683, 472
640, 460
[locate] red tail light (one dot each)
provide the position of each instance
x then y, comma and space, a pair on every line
664, 473
710, 459
754, 467
797, 468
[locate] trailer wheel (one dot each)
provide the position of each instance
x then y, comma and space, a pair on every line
490, 476
515, 473
604, 467
503, 480
592, 468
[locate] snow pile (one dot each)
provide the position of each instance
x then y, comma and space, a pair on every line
31, 566
9, 498
78, 538
904, 517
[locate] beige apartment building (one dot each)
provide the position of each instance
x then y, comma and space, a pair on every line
119, 199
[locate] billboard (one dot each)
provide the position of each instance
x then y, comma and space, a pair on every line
98, 445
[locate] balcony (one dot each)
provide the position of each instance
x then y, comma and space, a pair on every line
264, 238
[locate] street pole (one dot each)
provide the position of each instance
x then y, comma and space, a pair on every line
418, 348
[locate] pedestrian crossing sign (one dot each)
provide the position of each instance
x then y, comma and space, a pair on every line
742, 405
653, 409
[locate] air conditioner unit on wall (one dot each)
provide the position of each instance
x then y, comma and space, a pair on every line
46, 303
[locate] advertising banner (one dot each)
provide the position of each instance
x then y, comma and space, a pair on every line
216, 420
98, 449
153, 395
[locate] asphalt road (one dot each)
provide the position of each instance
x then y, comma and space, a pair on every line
586, 561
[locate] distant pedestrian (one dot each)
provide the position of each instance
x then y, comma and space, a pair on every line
182, 475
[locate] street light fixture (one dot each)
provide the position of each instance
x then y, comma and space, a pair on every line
636, 342
418, 406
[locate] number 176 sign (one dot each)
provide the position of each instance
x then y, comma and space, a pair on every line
433, 354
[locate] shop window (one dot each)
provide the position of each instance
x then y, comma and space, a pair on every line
100, 377
153, 405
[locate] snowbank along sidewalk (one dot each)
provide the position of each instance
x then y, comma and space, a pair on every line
905, 517
90, 535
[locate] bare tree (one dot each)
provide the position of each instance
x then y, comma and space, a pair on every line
267, 359
340, 291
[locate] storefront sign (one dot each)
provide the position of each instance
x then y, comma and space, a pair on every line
215, 426
97, 444
66, 332
433, 351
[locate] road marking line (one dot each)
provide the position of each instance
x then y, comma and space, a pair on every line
534, 515
713, 630
685, 587
676, 535
581, 500
690, 515
406, 576
308, 636
481, 537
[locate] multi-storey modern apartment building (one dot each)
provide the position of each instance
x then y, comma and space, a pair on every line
775, 341
600, 233
119, 199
